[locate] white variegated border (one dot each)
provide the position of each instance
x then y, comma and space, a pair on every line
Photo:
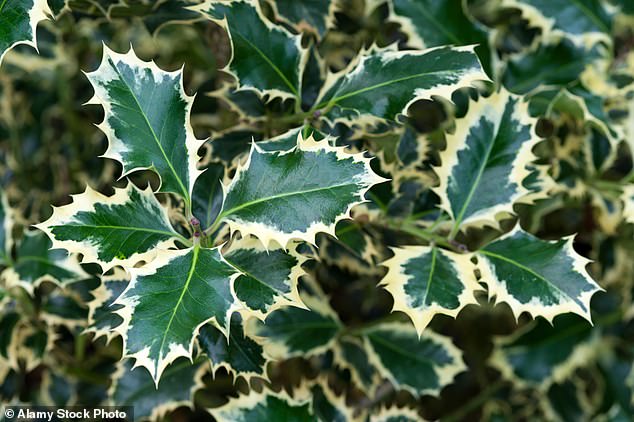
100, 296
233, 409
40, 11
303, 26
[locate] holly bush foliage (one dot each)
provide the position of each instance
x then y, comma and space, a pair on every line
370, 210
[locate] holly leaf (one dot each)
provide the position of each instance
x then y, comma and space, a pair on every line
36, 262
383, 84
541, 354
265, 57
308, 190
536, 276
350, 353
628, 199
18, 23
316, 16
169, 299
123, 229
425, 281
491, 146
135, 387
102, 316
207, 195
326, 404
438, 23
269, 277
147, 120
291, 331
396, 414
584, 21
421, 365
264, 406
288, 139
239, 354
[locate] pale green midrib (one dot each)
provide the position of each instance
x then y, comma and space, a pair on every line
270, 63
139, 229
436, 24
431, 274
475, 185
400, 351
530, 271
190, 275
2, 5
382, 84
283, 195
184, 190
591, 15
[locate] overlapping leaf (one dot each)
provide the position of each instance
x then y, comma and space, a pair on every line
421, 365
265, 406
383, 84
491, 146
266, 57
168, 300
147, 119
6, 228
36, 262
536, 276
102, 316
279, 196
135, 387
426, 280
207, 195
122, 229
269, 277
18, 22
316, 16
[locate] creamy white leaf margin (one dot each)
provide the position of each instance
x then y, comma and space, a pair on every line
303, 26
628, 201
100, 296
395, 280
499, 294
270, 235
403, 414
232, 411
491, 108
103, 74
85, 202
39, 12
142, 358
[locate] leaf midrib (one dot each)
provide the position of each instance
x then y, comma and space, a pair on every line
431, 275
402, 352
594, 18
139, 229
2, 5
282, 195
190, 275
184, 190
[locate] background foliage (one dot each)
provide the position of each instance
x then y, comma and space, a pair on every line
574, 67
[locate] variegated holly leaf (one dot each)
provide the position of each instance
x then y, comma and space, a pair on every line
122, 229
207, 195
426, 280
308, 190
61, 308
550, 64
396, 414
584, 21
265, 57
536, 276
18, 23
326, 404
291, 331
168, 300
269, 276
135, 387
239, 354
147, 115
102, 316
264, 406
36, 262
429, 23
491, 146
6, 229
231, 145
315, 16
541, 353
8, 337
383, 84
421, 365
